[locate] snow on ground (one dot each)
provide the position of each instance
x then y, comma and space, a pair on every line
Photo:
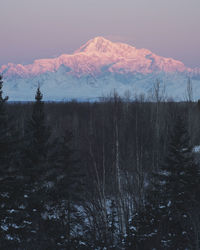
196, 149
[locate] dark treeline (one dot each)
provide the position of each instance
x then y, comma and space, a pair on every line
116, 174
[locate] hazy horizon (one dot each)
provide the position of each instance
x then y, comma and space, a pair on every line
42, 29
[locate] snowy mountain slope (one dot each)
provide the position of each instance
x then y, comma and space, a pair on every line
96, 69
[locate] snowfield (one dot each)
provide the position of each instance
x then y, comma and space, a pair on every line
97, 69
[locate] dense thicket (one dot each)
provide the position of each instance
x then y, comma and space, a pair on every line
116, 174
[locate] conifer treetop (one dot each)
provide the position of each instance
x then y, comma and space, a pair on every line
38, 96
1, 91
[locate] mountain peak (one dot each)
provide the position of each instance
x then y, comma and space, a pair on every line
99, 66
99, 39
97, 54
98, 44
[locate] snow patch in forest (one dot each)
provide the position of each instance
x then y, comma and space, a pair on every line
196, 149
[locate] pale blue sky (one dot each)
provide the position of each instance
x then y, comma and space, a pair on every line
32, 29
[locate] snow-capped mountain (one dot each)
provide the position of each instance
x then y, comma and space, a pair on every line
96, 69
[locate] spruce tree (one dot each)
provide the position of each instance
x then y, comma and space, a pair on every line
167, 220
4, 129
142, 230
35, 169
66, 192
36, 142
10, 184
4, 163
176, 188
37, 134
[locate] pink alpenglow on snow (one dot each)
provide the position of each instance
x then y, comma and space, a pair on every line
95, 70
94, 55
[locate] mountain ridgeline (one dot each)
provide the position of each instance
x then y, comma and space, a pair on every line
95, 70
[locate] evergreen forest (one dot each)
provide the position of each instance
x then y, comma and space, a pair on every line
113, 174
